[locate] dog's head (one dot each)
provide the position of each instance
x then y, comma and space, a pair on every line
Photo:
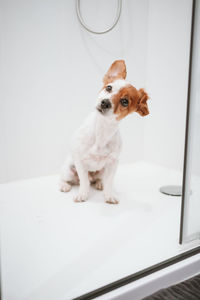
118, 98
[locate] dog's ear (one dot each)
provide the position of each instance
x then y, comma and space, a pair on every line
116, 71
142, 107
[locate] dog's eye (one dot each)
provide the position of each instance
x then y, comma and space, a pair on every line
109, 88
124, 102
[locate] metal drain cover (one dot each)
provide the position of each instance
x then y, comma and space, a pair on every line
172, 190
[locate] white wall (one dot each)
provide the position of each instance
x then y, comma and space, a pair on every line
167, 79
50, 72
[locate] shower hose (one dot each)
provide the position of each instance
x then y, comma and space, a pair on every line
118, 14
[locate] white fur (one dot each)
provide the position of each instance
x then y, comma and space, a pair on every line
96, 146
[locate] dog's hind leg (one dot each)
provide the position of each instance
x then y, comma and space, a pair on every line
98, 184
96, 179
68, 176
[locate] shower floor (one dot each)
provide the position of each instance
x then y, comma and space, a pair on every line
53, 248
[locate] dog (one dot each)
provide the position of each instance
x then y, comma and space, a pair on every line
96, 145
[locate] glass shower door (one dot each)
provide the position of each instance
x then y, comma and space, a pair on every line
190, 217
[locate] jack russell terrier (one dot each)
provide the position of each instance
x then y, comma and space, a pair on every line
96, 144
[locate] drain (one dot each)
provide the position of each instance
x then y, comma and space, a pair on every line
172, 190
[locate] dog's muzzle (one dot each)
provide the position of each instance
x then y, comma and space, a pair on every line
104, 105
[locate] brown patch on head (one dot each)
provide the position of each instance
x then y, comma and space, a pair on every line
134, 100
116, 71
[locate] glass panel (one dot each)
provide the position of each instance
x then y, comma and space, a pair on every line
191, 220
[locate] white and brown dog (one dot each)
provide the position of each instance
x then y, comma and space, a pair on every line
97, 143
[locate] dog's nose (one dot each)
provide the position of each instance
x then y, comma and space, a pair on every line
105, 104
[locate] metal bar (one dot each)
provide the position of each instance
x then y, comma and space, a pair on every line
187, 124
131, 278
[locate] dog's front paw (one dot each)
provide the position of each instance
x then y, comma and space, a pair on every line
65, 187
112, 200
80, 197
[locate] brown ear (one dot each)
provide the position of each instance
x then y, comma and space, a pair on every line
142, 108
116, 71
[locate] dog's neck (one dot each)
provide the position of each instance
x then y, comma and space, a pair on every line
105, 128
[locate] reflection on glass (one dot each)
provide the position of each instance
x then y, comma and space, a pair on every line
191, 221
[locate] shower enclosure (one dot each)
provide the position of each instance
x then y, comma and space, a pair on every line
51, 69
